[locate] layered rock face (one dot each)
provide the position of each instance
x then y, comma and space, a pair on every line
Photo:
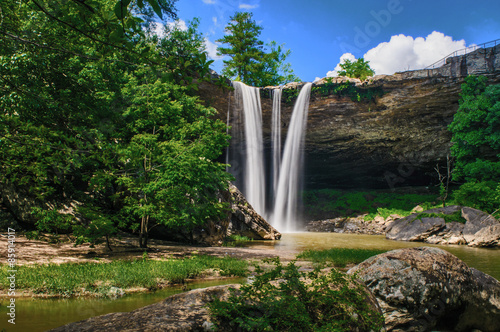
390, 131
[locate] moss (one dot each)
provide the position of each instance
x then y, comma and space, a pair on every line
454, 217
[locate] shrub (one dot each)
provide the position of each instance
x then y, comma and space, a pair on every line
479, 195
285, 299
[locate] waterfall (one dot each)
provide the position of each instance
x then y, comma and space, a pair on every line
251, 164
246, 154
286, 204
276, 138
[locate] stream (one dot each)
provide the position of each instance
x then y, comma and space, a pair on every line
42, 314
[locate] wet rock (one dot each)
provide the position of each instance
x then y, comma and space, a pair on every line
423, 289
180, 312
476, 220
487, 237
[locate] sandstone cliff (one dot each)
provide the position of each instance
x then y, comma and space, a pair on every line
390, 130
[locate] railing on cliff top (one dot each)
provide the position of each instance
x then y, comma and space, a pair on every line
463, 51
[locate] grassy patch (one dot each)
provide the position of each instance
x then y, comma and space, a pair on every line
71, 279
339, 257
236, 240
327, 203
455, 217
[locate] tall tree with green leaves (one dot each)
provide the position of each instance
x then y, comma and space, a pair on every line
476, 144
356, 69
249, 61
98, 118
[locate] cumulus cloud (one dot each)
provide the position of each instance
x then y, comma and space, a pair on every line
211, 48
159, 28
406, 53
343, 57
247, 6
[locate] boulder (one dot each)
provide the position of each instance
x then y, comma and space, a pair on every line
423, 289
245, 221
476, 220
480, 229
181, 312
413, 228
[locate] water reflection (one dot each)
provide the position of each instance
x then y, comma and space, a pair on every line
43, 314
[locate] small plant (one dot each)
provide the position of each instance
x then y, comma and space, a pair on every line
454, 217
339, 257
236, 240
285, 299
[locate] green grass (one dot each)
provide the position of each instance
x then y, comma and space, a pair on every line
339, 257
71, 279
236, 241
454, 217
327, 203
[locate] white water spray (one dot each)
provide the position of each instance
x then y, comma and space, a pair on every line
254, 175
284, 217
276, 138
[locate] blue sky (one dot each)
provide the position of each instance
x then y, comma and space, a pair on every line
394, 35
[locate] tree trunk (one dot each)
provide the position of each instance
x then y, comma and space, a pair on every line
143, 235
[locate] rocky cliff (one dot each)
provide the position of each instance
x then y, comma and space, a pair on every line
388, 131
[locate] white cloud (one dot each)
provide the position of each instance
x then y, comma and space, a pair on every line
181, 24
343, 57
406, 53
247, 6
211, 48
209, 2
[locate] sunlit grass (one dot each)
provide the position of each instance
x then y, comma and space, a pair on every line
71, 279
339, 257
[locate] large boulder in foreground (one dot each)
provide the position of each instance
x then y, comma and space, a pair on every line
448, 225
180, 312
423, 289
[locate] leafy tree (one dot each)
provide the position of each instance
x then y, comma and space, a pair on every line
97, 117
476, 142
249, 62
356, 69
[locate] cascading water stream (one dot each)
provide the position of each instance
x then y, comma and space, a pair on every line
246, 154
284, 217
253, 159
276, 138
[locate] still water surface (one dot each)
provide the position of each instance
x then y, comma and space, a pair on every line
40, 315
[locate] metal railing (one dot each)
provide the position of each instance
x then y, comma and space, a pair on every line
463, 51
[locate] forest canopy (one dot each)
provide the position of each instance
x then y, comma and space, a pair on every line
99, 118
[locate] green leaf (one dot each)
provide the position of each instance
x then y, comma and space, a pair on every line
156, 7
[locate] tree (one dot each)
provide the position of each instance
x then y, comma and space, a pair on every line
249, 62
356, 69
476, 144
97, 117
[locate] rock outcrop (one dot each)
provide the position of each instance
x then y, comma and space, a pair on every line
424, 289
245, 221
241, 220
178, 313
478, 228
390, 130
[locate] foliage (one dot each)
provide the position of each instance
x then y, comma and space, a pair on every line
339, 257
98, 114
97, 278
249, 61
329, 203
454, 217
476, 144
236, 240
282, 300
356, 69
476, 131
479, 195
348, 89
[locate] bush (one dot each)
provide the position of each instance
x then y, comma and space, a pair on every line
479, 195
284, 299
